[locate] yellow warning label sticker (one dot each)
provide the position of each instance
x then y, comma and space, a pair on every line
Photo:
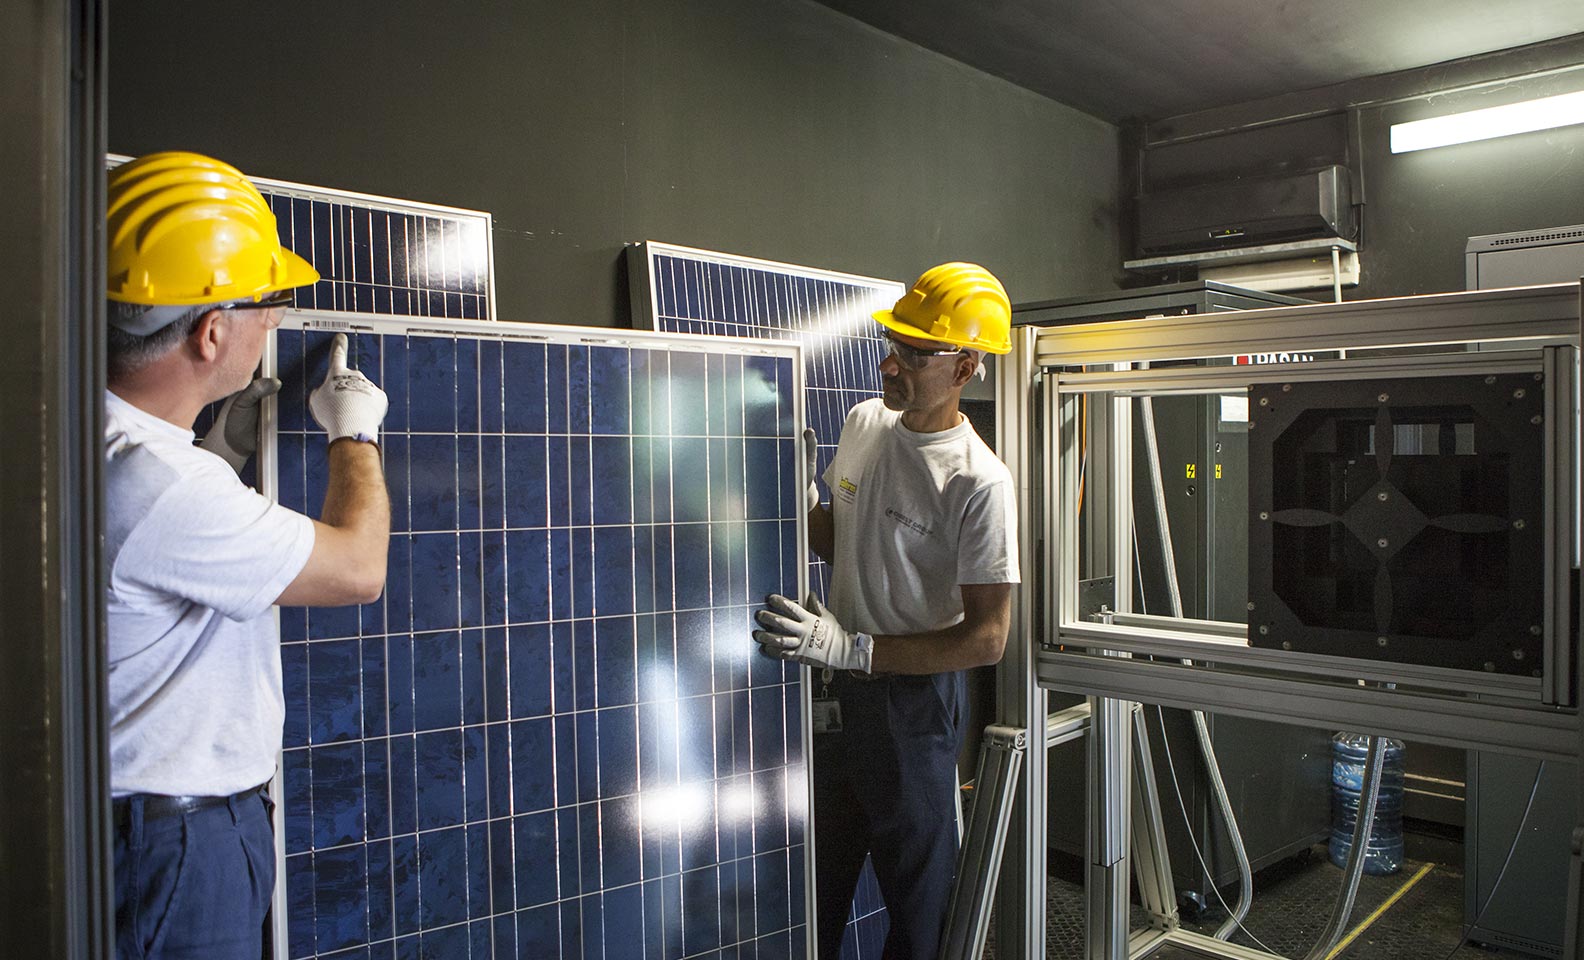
1191, 470
1218, 471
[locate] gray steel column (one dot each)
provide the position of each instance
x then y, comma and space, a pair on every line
55, 861
1020, 703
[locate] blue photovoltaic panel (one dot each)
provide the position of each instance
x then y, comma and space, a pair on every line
701, 292
548, 738
682, 290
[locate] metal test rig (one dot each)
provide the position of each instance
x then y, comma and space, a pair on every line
1412, 566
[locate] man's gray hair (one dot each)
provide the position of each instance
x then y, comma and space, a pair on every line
128, 351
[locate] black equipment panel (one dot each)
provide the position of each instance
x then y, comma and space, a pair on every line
1399, 520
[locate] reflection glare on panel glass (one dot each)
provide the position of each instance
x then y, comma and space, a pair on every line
682, 806
473, 252
737, 802
658, 682
828, 330
759, 392
796, 781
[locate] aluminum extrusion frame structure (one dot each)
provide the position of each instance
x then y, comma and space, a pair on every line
1210, 666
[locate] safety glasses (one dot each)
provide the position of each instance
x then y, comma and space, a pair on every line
914, 358
280, 298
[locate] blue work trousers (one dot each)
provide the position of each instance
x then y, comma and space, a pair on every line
885, 786
193, 884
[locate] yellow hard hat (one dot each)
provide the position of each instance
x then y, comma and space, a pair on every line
185, 229
958, 303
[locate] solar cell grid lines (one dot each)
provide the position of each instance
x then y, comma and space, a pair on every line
548, 738
684, 290
385, 258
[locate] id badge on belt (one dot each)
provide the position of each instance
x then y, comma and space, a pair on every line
827, 709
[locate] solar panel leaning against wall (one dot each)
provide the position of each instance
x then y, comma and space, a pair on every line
548, 739
685, 290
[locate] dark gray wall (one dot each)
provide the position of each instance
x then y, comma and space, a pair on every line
778, 129
1420, 208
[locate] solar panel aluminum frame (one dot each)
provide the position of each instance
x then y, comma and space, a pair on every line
1511, 715
352, 323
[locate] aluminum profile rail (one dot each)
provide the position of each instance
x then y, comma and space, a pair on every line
1517, 313
979, 860
1189, 381
1109, 807
1573, 932
1545, 734
1020, 701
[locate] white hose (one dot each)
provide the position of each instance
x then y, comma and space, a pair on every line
1201, 726
1342, 910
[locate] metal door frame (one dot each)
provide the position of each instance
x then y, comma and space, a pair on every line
55, 866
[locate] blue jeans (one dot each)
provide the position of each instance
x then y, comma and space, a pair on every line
885, 786
193, 885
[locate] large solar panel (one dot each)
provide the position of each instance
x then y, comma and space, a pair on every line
683, 290
548, 738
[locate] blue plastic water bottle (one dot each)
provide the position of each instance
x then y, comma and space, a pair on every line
1383, 854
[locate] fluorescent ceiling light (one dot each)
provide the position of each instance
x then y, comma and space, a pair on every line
1543, 114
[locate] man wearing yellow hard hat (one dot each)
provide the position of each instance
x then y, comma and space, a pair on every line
921, 536
196, 559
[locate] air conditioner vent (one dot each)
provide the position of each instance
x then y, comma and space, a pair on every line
1525, 238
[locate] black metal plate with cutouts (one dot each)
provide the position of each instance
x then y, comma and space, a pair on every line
1400, 520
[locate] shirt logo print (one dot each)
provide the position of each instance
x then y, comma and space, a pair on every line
847, 490
917, 526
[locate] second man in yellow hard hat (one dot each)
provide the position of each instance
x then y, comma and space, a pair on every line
921, 536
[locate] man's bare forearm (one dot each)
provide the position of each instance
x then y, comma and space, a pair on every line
356, 500
957, 647
977, 640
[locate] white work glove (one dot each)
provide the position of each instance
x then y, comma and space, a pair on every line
348, 404
234, 436
810, 454
808, 633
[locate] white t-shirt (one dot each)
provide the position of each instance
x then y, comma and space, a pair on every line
196, 559
916, 515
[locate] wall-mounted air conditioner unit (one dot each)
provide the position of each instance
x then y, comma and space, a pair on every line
1247, 212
